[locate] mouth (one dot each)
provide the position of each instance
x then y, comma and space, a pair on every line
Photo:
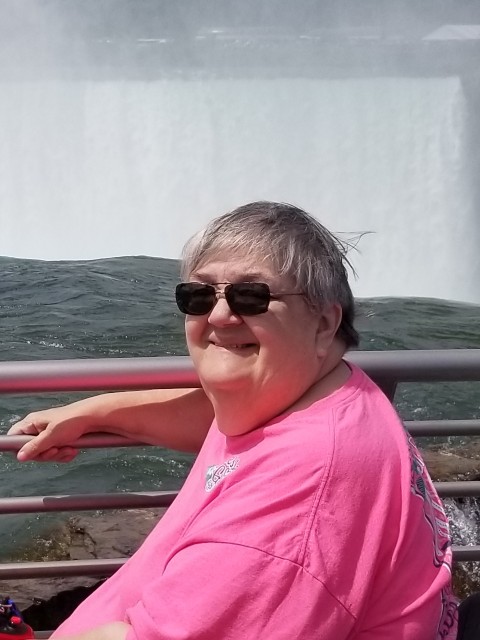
233, 346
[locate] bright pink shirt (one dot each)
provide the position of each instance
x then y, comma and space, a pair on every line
321, 524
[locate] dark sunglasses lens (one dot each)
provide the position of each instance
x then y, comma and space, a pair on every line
195, 298
248, 298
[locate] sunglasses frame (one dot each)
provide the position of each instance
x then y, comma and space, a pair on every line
230, 293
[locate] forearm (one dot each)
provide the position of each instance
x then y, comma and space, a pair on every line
173, 418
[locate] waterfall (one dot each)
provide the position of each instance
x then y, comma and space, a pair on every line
103, 168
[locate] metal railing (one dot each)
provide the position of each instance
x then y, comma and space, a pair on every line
387, 368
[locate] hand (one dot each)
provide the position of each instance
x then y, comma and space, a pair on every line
55, 430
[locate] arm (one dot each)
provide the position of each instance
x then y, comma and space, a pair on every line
218, 590
173, 418
253, 594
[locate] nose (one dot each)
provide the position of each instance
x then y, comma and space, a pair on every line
221, 315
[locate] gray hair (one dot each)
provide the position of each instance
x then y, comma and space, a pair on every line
297, 245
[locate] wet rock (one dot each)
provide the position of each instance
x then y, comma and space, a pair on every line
446, 464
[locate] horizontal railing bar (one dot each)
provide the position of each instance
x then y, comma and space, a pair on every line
107, 567
91, 374
386, 367
91, 441
87, 502
443, 427
420, 365
60, 568
459, 489
157, 499
417, 428
466, 554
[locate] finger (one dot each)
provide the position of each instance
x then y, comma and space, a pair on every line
66, 454
54, 454
26, 427
31, 450
57, 454
49, 455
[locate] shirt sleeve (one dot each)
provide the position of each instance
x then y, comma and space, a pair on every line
215, 590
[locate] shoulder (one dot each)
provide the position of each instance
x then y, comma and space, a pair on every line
366, 422
356, 422
370, 457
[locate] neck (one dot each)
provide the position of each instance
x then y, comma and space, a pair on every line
238, 412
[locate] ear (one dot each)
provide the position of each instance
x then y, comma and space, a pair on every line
329, 320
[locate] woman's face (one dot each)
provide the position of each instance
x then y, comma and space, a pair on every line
273, 355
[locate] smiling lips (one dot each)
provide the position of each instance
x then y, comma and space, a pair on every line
224, 345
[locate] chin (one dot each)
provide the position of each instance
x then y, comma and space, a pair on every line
226, 380
213, 384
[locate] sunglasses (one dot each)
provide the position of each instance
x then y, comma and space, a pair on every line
243, 298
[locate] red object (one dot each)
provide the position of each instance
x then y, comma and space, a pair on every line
17, 630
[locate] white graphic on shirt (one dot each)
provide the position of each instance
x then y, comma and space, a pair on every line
217, 472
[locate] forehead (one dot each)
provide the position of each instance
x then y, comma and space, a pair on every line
236, 267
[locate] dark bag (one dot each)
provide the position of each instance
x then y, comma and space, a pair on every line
469, 618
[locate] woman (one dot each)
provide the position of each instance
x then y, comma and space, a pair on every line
308, 512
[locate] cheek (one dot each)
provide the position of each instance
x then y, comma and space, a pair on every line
273, 339
194, 327
299, 337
